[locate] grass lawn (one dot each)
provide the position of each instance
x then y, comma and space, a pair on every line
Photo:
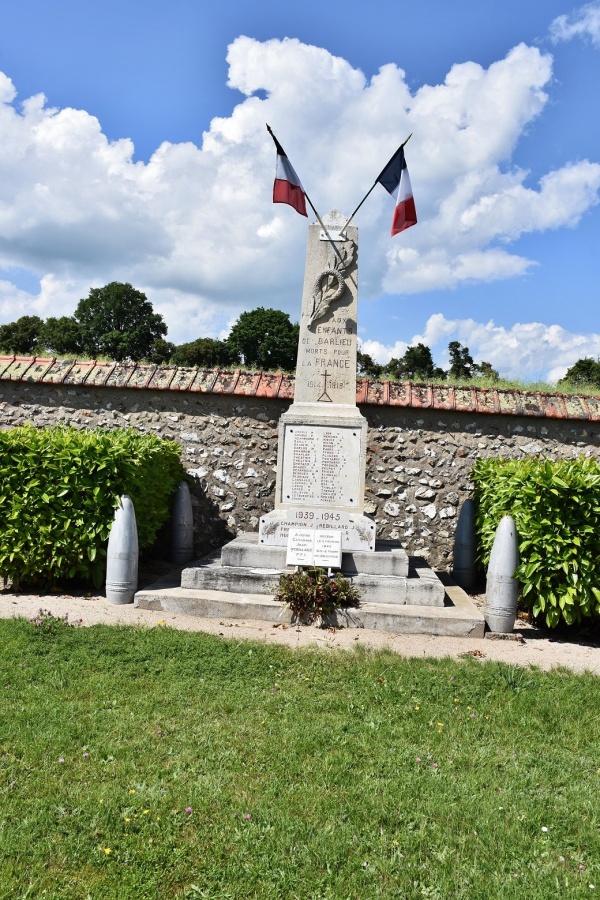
162, 764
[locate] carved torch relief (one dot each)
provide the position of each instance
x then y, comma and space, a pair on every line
330, 284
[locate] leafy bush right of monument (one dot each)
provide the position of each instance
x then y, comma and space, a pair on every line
59, 488
556, 509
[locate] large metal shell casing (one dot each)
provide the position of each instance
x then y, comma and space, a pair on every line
502, 588
463, 570
182, 526
122, 555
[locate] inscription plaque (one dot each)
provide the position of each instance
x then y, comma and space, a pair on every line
328, 549
309, 547
321, 465
300, 547
357, 531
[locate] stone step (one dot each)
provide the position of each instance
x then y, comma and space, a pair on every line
459, 617
421, 587
388, 558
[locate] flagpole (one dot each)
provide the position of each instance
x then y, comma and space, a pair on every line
375, 182
310, 203
322, 224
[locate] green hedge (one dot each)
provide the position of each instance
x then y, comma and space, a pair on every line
59, 488
556, 508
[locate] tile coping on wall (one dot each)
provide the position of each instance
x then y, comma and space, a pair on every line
271, 385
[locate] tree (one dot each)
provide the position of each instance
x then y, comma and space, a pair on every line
62, 335
584, 371
161, 352
208, 352
265, 338
21, 336
486, 370
119, 322
416, 364
366, 366
461, 361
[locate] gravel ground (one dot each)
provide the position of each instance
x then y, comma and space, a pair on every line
526, 646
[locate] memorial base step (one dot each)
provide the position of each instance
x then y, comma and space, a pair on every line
420, 602
388, 559
421, 587
459, 617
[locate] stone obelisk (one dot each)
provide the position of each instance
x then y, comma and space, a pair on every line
322, 437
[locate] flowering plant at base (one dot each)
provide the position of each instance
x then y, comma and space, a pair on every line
312, 594
47, 623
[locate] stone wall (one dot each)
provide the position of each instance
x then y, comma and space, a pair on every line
419, 457
420, 462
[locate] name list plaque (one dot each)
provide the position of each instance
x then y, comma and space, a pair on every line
321, 465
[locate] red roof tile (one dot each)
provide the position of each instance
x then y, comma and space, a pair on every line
277, 385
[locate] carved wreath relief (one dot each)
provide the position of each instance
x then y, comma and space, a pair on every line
330, 283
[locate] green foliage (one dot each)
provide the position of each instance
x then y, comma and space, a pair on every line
312, 595
161, 352
416, 364
119, 322
556, 508
207, 352
584, 372
265, 338
461, 361
485, 370
59, 488
366, 366
22, 336
62, 336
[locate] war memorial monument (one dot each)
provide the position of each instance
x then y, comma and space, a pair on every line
318, 516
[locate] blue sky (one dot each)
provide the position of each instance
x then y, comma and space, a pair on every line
134, 149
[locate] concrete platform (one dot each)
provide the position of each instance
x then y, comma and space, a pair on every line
388, 559
458, 617
384, 576
420, 588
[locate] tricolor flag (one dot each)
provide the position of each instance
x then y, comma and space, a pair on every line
288, 187
396, 181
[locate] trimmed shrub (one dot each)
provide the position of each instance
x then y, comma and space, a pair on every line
556, 508
59, 488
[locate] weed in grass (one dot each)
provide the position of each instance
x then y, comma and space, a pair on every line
46, 623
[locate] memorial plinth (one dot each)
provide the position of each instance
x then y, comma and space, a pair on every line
322, 437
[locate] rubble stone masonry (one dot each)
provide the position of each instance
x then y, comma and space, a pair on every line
422, 444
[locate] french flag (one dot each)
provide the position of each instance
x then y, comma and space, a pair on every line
287, 187
396, 181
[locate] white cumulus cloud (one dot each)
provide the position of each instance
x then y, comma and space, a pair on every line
584, 22
194, 226
528, 351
